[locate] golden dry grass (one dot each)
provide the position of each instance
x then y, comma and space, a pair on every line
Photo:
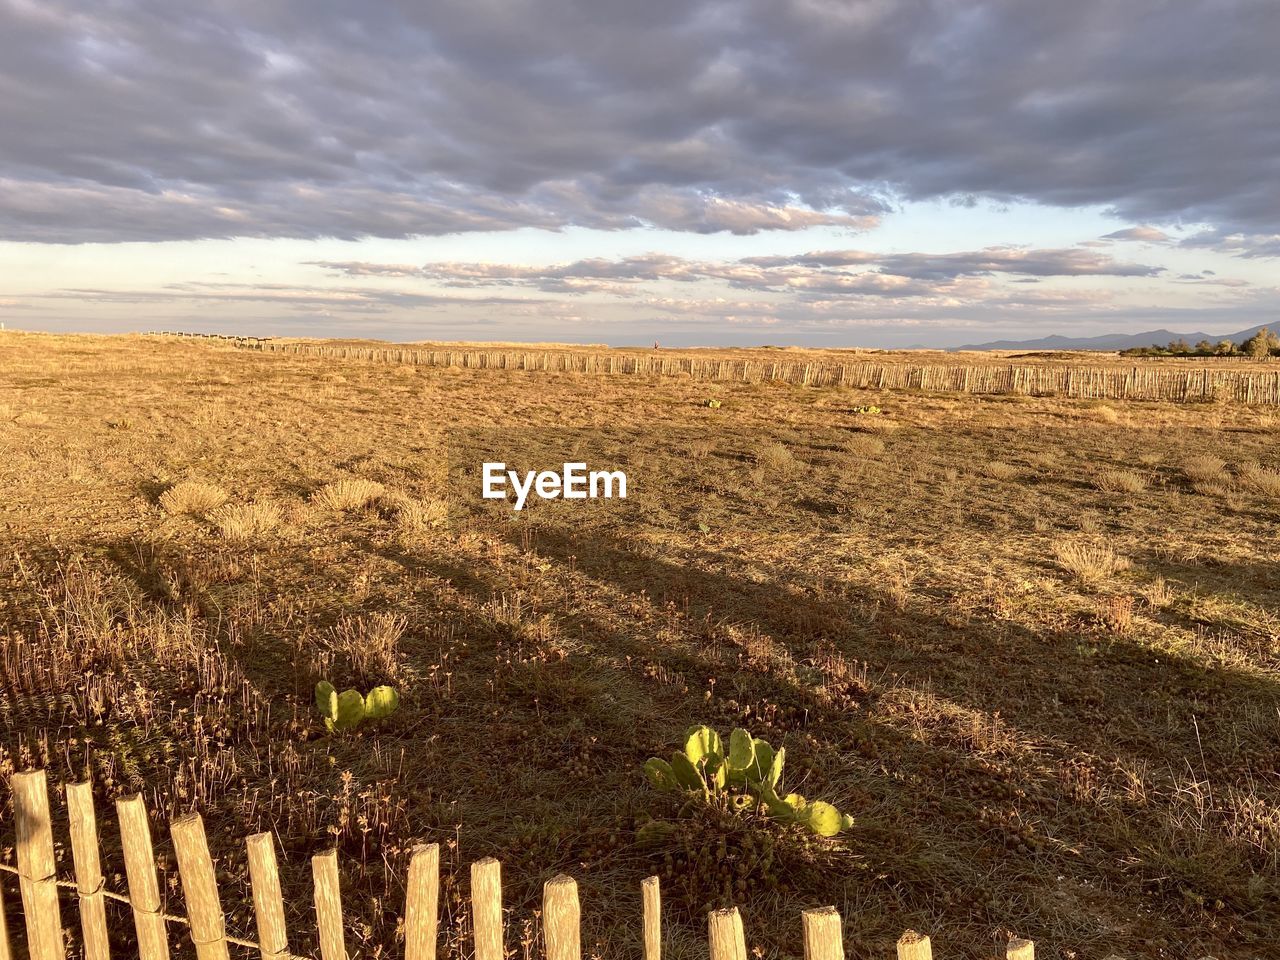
1052, 709
349, 494
192, 497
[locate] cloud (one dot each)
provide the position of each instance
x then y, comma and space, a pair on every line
1142, 234
840, 273
139, 120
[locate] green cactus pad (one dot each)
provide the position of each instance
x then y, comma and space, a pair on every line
350, 710
660, 775
686, 773
381, 702
701, 741
822, 818
327, 700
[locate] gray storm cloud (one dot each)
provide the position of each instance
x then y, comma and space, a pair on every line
155, 119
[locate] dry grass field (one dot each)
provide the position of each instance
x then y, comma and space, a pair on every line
1031, 644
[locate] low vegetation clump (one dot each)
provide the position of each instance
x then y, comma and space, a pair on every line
745, 777
1205, 468
369, 646
342, 712
1089, 562
1259, 479
244, 522
999, 470
349, 494
192, 497
1120, 481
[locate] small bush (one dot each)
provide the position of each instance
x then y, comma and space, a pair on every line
776, 458
1259, 479
31, 418
192, 497
864, 445
1089, 562
998, 470
414, 516
1204, 467
350, 494
242, 522
1120, 481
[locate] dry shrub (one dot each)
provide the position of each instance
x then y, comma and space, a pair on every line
1120, 481
370, 645
242, 522
1089, 562
999, 470
31, 418
1223, 489
776, 458
1116, 614
414, 516
1259, 479
192, 497
349, 494
1204, 468
864, 445
1103, 414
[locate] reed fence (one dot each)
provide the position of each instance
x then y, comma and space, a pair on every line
1081, 382
40, 887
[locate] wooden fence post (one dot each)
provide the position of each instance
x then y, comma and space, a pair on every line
328, 900
89, 880
651, 893
140, 873
486, 909
200, 887
562, 919
725, 939
268, 904
422, 903
1020, 949
914, 946
823, 936
37, 869
5, 953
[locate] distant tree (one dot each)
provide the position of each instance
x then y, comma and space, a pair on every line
1204, 348
1179, 346
1261, 344
1225, 348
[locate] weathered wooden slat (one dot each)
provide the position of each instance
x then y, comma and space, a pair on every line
268, 904
200, 887
914, 946
562, 919
90, 883
140, 873
328, 900
422, 903
823, 935
651, 894
486, 909
37, 868
725, 938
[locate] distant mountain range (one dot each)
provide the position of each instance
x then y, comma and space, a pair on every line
1113, 341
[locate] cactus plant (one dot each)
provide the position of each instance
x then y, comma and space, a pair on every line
348, 709
747, 775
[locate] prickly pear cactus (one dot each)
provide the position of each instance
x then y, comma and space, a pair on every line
381, 702
348, 709
746, 776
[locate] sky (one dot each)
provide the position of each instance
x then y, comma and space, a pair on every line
820, 172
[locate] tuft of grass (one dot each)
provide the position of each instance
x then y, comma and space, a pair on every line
31, 418
192, 497
864, 445
1089, 562
1204, 468
370, 645
999, 470
242, 522
1259, 479
350, 494
414, 516
1120, 481
776, 458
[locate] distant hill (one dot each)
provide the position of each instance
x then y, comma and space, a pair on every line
1112, 341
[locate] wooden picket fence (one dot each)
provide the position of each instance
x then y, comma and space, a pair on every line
1153, 381
39, 887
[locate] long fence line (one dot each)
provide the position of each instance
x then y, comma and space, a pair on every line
1083, 382
39, 887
